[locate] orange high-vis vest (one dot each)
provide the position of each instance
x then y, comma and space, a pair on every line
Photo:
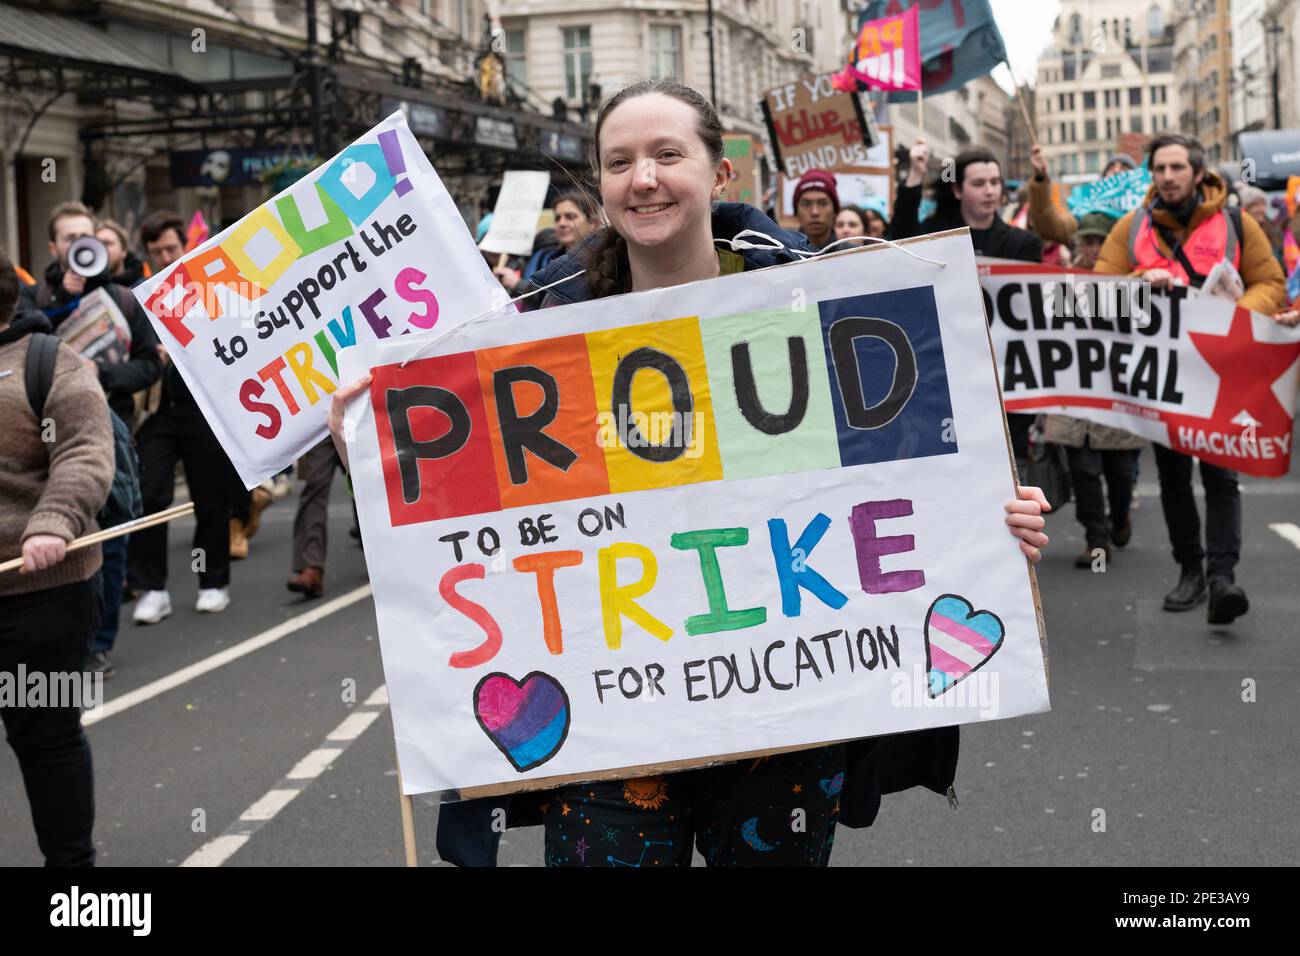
1213, 240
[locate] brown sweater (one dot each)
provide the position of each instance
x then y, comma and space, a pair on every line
53, 487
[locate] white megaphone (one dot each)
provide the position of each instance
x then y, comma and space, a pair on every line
88, 257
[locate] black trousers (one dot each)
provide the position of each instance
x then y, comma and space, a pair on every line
49, 631
1222, 547
171, 435
1087, 465
772, 811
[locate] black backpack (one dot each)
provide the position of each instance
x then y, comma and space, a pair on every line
123, 502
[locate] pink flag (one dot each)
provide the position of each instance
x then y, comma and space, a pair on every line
886, 55
197, 233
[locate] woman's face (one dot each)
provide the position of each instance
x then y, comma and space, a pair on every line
875, 224
116, 254
848, 224
657, 180
570, 224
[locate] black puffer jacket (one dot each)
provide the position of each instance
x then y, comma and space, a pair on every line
879, 765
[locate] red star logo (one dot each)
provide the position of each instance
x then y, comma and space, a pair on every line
1246, 382
1247, 370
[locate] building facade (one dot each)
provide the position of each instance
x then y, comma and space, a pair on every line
1249, 87
131, 105
580, 51
1203, 63
1281, 24
1109, 72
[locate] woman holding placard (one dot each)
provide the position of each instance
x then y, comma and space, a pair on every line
661, 172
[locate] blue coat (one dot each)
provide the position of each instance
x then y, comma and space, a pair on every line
928, 758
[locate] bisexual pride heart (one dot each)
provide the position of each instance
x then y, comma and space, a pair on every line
959, 640
527, 719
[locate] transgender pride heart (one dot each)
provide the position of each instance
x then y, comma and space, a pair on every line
958, 640
527, 720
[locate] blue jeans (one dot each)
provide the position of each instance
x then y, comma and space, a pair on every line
109, 581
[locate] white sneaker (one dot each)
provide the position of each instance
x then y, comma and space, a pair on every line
212, 600
152, 607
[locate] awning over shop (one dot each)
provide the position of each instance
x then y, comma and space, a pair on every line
51, 40
1276, 155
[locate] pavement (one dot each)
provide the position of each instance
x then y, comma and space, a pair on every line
261, 735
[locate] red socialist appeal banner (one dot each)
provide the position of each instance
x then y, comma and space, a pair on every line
1194, 372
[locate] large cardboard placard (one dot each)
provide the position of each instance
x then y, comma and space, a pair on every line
759, 512
1191, 371
515, 216
369, 245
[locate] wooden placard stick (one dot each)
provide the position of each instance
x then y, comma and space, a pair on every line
139, 524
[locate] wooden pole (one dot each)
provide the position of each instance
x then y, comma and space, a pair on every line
408, 819
139, 524
920, 112
1020, 101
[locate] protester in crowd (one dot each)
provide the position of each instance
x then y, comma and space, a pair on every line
1178, 236
661, 169
124, 377
877, 222
1092, 450
971, 199
311, 522
60, 293
576, 214
58, 466
850, 221
816, 204
1254, 203
179, 432
124, 266
1089, 236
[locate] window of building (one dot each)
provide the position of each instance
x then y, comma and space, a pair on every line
1089, 130
577, 61
1076, 29
1091, 162
1089, 100
1135, 96
1128, 34
1135, 124
516, 65
1109, 71
1060, 102
1155, 22
665, 52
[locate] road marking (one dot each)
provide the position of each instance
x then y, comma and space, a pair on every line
1288, 531
221, 848
313, 765
199, 668
354, 726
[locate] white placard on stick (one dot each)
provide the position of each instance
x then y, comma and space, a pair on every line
367, 246
514, 220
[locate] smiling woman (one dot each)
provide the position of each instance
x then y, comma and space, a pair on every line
661, 170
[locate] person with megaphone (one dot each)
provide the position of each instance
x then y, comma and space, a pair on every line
80, 267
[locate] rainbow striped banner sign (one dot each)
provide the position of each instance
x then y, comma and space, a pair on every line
763, 511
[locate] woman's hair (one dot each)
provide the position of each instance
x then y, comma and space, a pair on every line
608, 272
857, 211
585, 201
947, 206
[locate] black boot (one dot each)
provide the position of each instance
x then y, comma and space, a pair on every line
1227, 602
1190, 591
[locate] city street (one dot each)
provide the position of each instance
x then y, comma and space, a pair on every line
225, 739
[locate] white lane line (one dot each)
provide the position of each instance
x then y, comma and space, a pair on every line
354, 726
221, 848
269, 805
199, 668
1288, 531
215, 852
313, 765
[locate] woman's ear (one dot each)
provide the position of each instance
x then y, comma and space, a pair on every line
722, 178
